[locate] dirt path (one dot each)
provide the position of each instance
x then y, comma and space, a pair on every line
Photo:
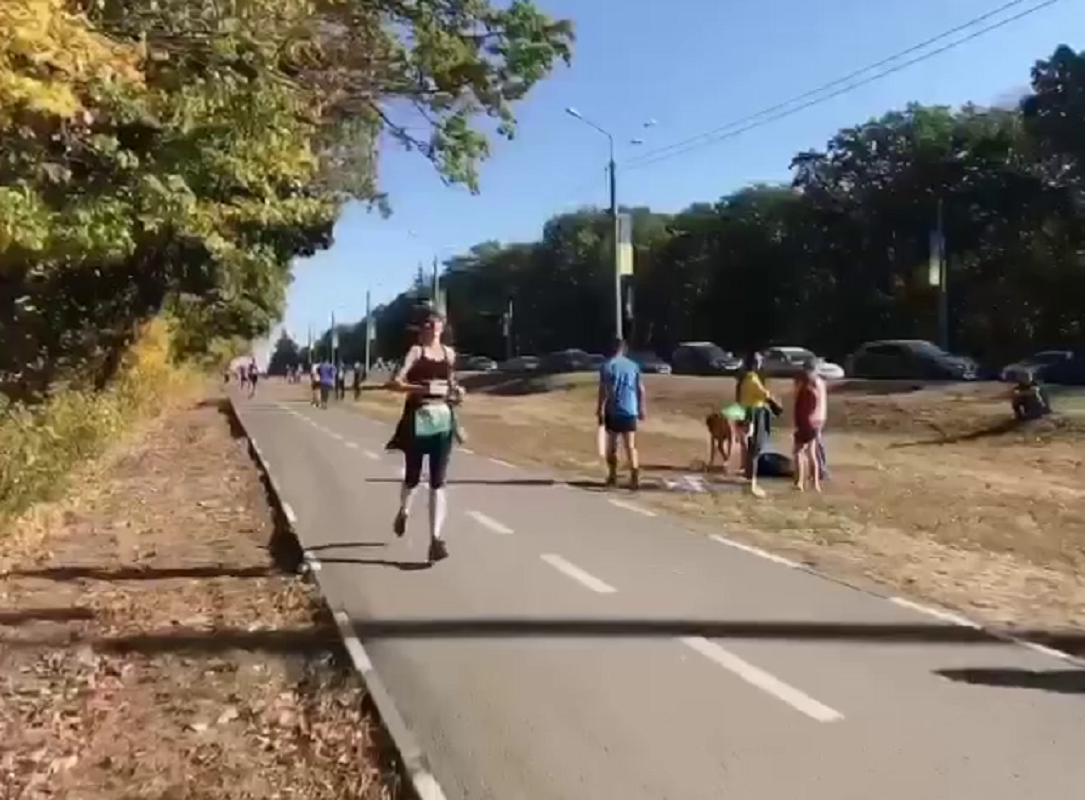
928, 496
149, 647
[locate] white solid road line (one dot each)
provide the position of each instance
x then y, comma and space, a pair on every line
467, 450
577, 574
766, 682
499, 462
489, 522
756, 551
937, 613
632, 507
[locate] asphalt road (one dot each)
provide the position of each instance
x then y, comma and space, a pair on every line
575, 646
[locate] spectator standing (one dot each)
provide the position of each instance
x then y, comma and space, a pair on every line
619, 408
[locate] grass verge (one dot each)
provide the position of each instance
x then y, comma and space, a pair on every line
932, 494
42, 444
150, 646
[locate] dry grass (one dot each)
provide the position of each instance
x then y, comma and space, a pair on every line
930, 493
149, 647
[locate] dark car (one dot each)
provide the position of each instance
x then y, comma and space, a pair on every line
1037, 364
704, 358
650, 363
909, 359
571, 360
468, 363
520, 364
1067, 372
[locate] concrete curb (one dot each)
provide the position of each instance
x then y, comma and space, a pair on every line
412, 759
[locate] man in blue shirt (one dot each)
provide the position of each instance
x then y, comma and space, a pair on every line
326, 372
620, 406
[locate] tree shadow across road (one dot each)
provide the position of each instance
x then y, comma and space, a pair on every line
311, 638
1063, 681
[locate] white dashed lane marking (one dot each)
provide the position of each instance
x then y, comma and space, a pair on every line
489, 522
765, 681
577, 574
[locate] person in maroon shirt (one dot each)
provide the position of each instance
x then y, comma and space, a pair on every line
807, 424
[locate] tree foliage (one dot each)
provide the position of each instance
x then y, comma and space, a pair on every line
837, 256
176, 156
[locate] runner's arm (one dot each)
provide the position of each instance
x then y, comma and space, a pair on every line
642, 398
399, 381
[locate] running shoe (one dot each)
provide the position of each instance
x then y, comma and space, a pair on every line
438, 550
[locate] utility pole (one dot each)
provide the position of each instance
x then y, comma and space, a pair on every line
612, 170
436, 286
333, 341
368, 332
619, 311
506, 324
943, 276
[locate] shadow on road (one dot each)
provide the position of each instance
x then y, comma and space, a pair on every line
1063, 681
301, 639
68, 614
480, 481
404, 566
343, 546
140, 573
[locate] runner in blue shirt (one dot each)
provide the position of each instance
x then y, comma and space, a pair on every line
621, 404
326, 371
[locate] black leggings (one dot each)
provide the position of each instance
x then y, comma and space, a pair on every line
438, 448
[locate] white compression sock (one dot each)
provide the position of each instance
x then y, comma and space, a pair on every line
438, 510
406, 494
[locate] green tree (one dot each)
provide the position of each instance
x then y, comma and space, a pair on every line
285, 356
177, 156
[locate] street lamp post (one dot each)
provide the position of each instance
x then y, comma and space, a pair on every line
612, 170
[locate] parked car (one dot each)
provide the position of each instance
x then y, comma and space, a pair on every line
910, 359
469, 363
651, 363
1037, 364
520, 364
570, 360
1067, 372
704, 358
787, 362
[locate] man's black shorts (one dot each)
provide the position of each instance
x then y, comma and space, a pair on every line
617, 424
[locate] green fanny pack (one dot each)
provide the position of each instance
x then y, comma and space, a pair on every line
433, 419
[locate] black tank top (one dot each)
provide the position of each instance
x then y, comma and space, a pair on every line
429, 369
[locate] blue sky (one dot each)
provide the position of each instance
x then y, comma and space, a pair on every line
691, 65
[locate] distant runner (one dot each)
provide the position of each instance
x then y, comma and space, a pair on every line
356, 380
254, 376
326, 371
621, 405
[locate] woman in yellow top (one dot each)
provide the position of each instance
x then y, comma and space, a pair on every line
756, 399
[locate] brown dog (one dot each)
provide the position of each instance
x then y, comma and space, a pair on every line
722, 435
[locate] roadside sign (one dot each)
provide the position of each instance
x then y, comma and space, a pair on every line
625, 244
